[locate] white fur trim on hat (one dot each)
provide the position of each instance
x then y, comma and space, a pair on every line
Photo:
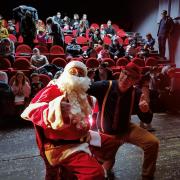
77, 64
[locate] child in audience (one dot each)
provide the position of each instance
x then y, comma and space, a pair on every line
36, 84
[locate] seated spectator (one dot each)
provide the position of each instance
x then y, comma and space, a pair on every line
110, 32
103, 72
81, 31
7, 49
166, 87
11, 27
131, 50
91, 32
40, 26
36, 84
96, 38
149, 43
85, 21
65, 23
143, 84
38, 60
42, 36
102, 31
6, 97
21, 90
3, 77
91, 74
149, 46
39, 63
3, 31
73, 49
89, 51
116, 50
104, 53
75, 22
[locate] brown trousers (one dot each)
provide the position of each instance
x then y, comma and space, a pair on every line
143, 139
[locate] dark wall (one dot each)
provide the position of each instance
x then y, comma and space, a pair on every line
118, 11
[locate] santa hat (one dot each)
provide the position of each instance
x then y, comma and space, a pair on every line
76, 64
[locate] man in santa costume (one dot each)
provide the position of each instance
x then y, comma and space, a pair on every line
63, 109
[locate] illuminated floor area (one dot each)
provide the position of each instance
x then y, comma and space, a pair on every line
20, 160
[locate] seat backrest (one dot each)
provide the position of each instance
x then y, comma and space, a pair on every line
68, 39
115, 27
81, 40
116, 75
92, 63
45, 79
56, 49
151, 61
12, 37
23, 48
43, 49
122, 61
95, 26
138, 61
110, 62
4, 63
22, 64
107, 40
60, 62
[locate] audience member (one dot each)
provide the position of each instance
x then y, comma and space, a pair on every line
110, 32
7, 49
36, 84
56, 33
116, 50
103, 72
73, 50
3, 31
103, 53
6, 98
28, 29
21, 90
11, 27
85, 21
166, 25
57, 18
75, 22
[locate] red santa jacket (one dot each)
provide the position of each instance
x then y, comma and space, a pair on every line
45, 107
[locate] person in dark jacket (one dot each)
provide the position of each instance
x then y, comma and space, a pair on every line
116, 50
56, 32
116, 101
28, 29
164, 31
103, 72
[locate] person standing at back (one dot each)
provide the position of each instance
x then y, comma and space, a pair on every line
165, 28
56, 32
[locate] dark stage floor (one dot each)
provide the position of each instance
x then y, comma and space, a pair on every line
20, 160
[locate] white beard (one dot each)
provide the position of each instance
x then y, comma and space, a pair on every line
75, 89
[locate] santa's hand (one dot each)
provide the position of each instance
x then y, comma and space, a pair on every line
144, 106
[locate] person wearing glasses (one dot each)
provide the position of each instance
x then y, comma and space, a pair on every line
117, 100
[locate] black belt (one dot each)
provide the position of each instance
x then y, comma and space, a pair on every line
64, 141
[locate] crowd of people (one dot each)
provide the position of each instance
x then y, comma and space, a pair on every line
64, 108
